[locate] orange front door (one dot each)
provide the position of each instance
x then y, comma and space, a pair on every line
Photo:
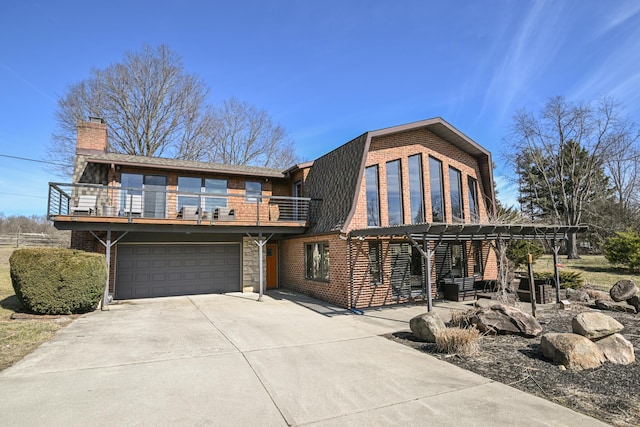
272, 266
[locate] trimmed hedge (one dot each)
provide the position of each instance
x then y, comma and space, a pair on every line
58, 281
568, 278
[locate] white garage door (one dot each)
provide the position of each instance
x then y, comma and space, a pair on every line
144, 271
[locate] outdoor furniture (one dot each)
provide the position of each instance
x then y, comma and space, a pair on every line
188, 212
86, 205
133, 204
224, 214
458, 288
545, 291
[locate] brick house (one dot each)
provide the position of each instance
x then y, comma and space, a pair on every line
357, 227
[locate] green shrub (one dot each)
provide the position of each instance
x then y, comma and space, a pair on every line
519, 250
624, 249
568, 278
58, 281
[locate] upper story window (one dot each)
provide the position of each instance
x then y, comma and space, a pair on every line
455, 188
217, 187
188, 184
436, 189
394, 193
416, 191
373, 198
473, 199
252, 191
143, 195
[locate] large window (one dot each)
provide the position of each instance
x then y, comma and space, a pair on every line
394, 193
373, 199
437, 191
188, 185
455, 188
317, 261
217, 187
144, 195
416, 198
473, 199
375, 263
202, 185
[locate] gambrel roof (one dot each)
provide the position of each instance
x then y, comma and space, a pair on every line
334, 181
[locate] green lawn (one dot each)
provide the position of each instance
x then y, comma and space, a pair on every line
595, 269
19, 337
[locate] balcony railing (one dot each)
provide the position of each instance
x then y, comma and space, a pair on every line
110, 202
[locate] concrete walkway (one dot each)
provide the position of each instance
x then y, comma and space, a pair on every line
230, 360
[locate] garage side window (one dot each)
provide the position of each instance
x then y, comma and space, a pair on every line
317, 261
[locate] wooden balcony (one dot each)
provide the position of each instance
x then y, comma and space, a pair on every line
115, 205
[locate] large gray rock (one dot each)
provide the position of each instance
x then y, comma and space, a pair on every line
486, 303
623, 290
425, 325
594, 325
617, 349
577, 295
615, 306
571, 350
503, 319
635, 302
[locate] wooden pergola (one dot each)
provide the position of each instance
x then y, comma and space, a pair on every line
422, 235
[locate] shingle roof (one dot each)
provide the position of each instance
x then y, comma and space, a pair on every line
333, 179
165, 163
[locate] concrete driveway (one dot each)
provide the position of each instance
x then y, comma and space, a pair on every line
230, 360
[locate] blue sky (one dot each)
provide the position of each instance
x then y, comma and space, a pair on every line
328, 71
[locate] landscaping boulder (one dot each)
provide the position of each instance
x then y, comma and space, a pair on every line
594, 325
623, 290
617, 349
486, 303
615, 306
503, 319
635, 302
425, 325
571, 350
577, 295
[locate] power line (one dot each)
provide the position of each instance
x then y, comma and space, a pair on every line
34, 160
23, 195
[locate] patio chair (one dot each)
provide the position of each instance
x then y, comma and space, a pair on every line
224, 214
188, 212
86, 205
133, 204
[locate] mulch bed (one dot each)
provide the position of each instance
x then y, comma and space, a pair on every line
609, 393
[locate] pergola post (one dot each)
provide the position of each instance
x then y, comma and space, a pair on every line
556, 270
427, 254
260, 242
427, 271
108, 244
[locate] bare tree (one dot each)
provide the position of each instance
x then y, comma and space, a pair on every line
560, 154
151, 105
242, 134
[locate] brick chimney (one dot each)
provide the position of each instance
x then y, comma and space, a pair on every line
92, 136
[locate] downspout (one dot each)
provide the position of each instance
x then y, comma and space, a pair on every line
556, 271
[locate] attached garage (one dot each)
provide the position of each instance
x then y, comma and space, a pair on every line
156, 270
